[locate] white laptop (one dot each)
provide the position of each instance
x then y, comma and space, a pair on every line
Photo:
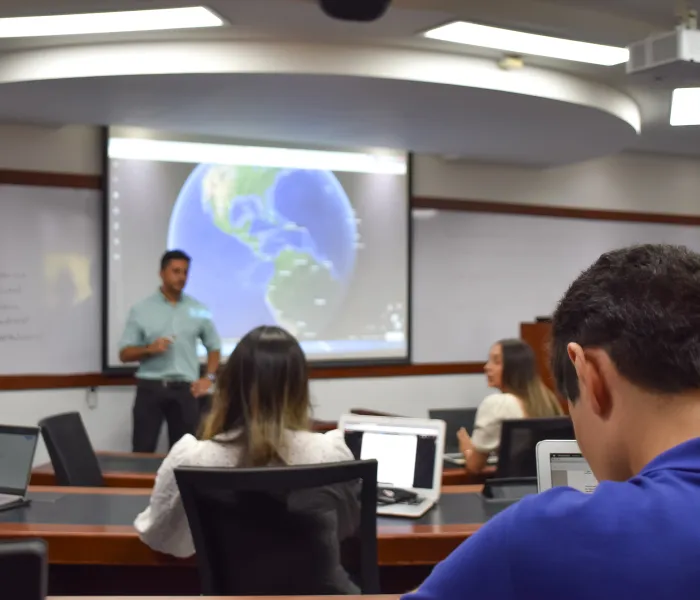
17, 447
409, 453
560, 463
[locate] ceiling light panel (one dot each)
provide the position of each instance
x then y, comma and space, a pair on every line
109, 22
518, 42
685, 107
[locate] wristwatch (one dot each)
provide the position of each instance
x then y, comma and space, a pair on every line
211, 377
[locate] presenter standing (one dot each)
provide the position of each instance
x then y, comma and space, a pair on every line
161, 334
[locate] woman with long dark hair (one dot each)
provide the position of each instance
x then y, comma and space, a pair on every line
512, 369
260, 416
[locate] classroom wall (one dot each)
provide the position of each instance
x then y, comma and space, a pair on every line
107, 411
629, 181
636, 182
57, 149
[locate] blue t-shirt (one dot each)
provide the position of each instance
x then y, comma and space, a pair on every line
639, 539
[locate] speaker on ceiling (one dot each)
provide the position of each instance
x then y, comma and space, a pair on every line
355, 10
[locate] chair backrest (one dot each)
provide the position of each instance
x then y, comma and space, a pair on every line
23, 569
72, 456
455, 419
371, 413
323, 426
519, 439
295, 530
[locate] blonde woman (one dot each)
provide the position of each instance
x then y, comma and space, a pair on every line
511, 368
259, 417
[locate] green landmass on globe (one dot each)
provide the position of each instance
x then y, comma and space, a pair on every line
223, 185
241, 205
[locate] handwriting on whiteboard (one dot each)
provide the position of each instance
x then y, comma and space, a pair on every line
15, 326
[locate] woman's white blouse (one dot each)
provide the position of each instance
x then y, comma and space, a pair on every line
163, 525
492, 411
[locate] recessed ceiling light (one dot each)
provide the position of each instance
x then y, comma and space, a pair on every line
461, 32
685, 107
109, 22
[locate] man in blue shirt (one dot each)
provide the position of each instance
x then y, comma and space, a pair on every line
626, 355
162, 333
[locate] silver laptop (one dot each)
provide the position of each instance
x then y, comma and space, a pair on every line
17, 447
409, 453
560, 463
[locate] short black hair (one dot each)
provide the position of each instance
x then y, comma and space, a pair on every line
173, 255
642, 306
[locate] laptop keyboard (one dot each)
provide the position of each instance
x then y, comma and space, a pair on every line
9, 499
390, 495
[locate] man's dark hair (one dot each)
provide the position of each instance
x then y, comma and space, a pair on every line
642, 306
173, 255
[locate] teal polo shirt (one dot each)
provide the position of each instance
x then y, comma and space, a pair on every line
187, 322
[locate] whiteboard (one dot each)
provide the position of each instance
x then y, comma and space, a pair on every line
477, 276
49, 280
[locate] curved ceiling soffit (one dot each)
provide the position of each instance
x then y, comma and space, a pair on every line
166, 58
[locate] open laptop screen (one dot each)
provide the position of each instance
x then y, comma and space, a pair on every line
572, 470
17, 446
405, 455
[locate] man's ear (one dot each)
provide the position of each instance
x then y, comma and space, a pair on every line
592, 386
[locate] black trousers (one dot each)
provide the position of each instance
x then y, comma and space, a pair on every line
156, 402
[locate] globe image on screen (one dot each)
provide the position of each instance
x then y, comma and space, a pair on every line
268, 246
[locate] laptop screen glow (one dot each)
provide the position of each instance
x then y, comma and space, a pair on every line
16, 457
405, 455
572, 470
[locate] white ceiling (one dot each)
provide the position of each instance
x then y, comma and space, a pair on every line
660, 11
332, 111
358, 111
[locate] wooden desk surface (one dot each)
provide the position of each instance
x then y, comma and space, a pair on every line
133, 470
95, 527
391, 597
120, 470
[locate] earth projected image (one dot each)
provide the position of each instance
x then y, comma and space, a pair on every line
269, 246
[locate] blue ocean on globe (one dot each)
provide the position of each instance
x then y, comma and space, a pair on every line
268, 246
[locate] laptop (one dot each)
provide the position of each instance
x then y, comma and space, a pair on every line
560, 463
454, 419
17, 447
409, 453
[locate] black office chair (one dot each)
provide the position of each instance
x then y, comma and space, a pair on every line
295, 530
72, 456
23, 569
455, 419
519, 439
368, 412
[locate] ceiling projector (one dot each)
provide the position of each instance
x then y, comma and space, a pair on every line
355, 10
673, 57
